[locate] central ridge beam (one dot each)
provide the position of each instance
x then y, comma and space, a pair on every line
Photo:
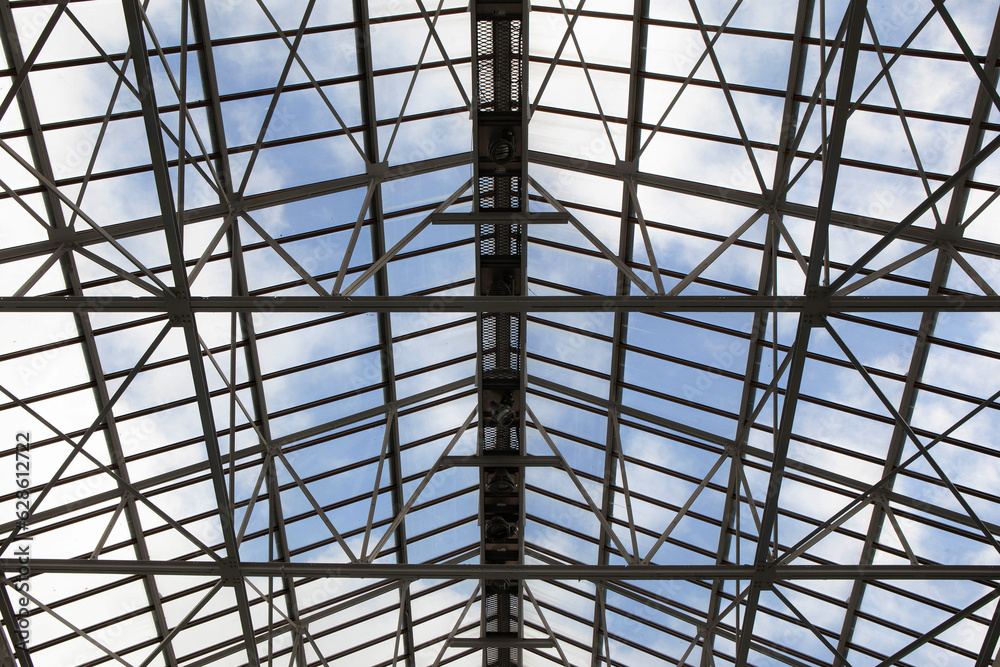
500, 214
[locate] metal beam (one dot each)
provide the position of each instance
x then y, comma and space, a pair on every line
766, 548
500, 461
626, 235
363, 42
492, 218
990, 641
733, 505
173, 229
921, 351
876, 226
513, 304
92, 359
415, 571
219, 144
499, 642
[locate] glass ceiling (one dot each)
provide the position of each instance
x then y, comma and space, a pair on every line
238, 363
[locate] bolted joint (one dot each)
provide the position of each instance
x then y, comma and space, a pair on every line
230, 572
237, 207
764, 576
627, 169
817, 305
179, 310
948, 233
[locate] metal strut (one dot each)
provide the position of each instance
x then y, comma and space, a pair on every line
499, 35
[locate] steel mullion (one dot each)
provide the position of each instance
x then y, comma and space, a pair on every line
219, 143
416, 72
417, 571
659, 603
989, 647
255, 377
131, 511
732, 504
754, 90
91, 355
745, 140
20, 651
736, 303
320, 29
938, 629
796, 70
751, 200
174, 236
122, 230
357, 597
907, 403
925, 236
363, 41
181, 473
250, 203
896, 377
854, 19
620, 331
77, 631
841, 483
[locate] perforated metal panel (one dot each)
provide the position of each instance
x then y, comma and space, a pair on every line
499, 53
501, 440
501, 346
500, 193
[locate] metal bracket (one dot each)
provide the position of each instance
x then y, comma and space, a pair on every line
817, 305
230, 575
626, 169
764, 576
62, 235
179, 310
878, 496
378, 170
948, 233
237, 207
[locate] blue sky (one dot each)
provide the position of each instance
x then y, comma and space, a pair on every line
687, 368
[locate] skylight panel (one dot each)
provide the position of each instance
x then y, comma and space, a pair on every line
332, 391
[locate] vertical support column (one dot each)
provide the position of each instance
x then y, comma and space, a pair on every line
813, 290
11, 45
500, 121
184, 318
363, 41
616, 372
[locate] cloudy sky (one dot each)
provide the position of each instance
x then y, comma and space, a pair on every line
295, 195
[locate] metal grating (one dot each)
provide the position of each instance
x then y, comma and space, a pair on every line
501, 346
500, 240
501, 440
499, 57
500, 193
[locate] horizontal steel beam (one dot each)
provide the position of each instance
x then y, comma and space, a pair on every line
414, 571
87, 236
507, 304
499, 642
501, 461
755, 200
504, 218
